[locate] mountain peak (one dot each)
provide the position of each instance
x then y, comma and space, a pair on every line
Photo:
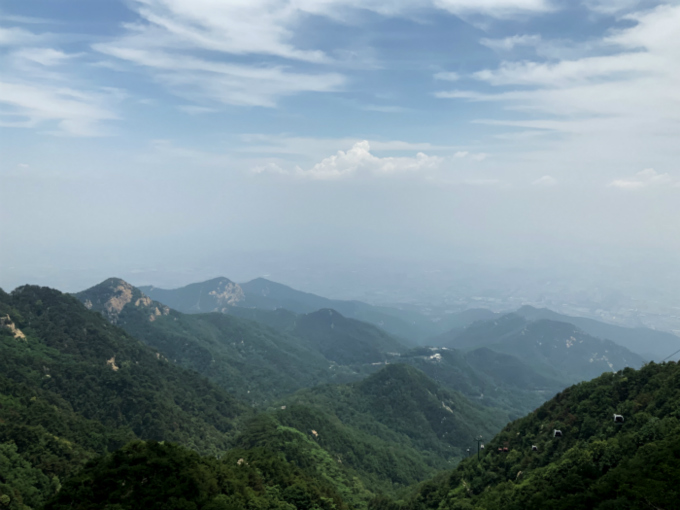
111, 296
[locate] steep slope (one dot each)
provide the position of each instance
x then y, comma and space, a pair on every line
72, 386
555, 349
108, 376
221, 294
345, 341
648, 343
596, 464
252, 361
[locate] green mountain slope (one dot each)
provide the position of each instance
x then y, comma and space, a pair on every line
402, 407
648, 343
558, 350
250, 360
596, 464
156, 476
490, 378
221, 294
73, 386
345, 341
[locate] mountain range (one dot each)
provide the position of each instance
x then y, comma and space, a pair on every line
223, 295
112, 399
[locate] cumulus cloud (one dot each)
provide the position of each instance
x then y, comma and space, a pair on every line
360, 159
357, 160
645, 179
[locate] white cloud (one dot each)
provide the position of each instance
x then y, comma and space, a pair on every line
237, 84
545, 181
43, 56
611, 6
355, 161
645, 179
509, 43
14, 36
624, 100
480, 156
360, 159
75, 112
169, 32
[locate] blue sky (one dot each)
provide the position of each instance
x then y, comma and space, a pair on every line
171, 133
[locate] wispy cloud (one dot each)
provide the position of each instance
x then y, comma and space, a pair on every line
39, 91
509, 43
75, 113
167, 39
645, 179
208, 80
15, 36
627, 92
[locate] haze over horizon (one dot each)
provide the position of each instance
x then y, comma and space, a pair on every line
429, 152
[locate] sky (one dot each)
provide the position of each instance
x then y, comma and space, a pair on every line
166, 141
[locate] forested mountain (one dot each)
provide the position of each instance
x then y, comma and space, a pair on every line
250, 360
345, 341
221, 294
405, 402
156, 476
557, 350
649, 343
596, 463
72, 385
488, 377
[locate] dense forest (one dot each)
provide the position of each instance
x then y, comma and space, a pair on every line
91, 417
596, 463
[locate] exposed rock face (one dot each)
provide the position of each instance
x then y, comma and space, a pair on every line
227, 293
121, 296
6, 322
112, 363
112, 296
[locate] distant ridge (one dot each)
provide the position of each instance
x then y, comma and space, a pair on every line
649, 343
558, 350
222, 295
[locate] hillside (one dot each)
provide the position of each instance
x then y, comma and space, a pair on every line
345, 341
648, 343
73, 385
596, 464
487, 377
400, 406
250, 360
221, 294
557, 350
156, 476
